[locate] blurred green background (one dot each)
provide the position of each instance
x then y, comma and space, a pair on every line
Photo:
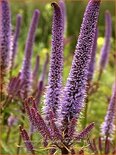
75, 10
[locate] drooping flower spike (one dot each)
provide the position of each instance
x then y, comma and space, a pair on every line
108, 127
26, 68
74, 92
106, 47
5, 42
56, 63
15, 39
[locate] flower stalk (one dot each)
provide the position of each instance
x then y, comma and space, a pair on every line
5, 44
75, 89
26, 76
106, 47
56, 64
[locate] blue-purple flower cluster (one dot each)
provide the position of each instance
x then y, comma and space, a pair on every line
68, 102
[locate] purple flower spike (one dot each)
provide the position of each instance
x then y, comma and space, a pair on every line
26, 140
5, 41
85, 132
55, 131
75, 89
14, 87
42, 78
40, 124
26, 68
15, 40
40, 86
108, 127
35, 72
27, 109
92, 60
36, 119
71, 127
106, 47
63, 8
56, 63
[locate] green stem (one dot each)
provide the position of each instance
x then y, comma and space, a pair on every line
8, 134
20, 138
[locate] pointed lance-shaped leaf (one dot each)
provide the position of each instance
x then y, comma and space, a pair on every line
108, 126
26, 68
15, 40
56, 63
5, 41
93, 54
26, 140
75, 89
106, 47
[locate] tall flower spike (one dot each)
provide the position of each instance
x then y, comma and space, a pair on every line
15, 40
5, 42
56, 63
26, 140
75, 89
26, 68
92, 60
106, 47
108, 127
